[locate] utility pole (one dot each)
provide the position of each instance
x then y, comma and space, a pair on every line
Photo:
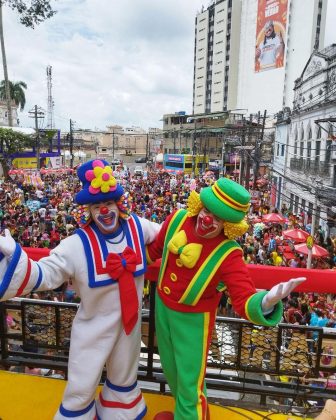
223, 156
248, 160
37, 113
147, 147
312, 231
50, 123
259, 142
174, 140
242, 158
5, 69
194, 152
71, 144
317, 185
112, 143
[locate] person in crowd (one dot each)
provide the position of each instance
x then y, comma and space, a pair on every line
199, 253
106, 262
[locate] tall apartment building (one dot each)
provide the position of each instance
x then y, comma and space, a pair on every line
301, 25
217, 33
229, 73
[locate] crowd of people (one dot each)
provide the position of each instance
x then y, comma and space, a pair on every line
42, 214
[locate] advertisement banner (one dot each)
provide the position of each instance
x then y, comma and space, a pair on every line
270, 34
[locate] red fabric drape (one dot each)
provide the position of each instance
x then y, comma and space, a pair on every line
264, 276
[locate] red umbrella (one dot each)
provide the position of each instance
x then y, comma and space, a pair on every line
273, 218
317, 250
297, 235
256, 220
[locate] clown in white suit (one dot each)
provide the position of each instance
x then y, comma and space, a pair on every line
106, 260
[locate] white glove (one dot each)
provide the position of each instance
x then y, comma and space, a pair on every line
7, 244
279, 292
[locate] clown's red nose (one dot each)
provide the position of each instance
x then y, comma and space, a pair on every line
207, 220
103, 210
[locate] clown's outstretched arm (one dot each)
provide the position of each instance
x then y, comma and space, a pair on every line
279, 292
19, 275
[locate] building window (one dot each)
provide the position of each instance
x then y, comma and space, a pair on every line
309, 149
301, 148
282, 150
291, 202
296, 204
317, 151
303, 205
328, 150
319, 133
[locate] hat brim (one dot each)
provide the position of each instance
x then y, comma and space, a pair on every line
84, 197
218, 208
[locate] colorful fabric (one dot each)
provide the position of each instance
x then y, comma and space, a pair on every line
98, 182
184, 357
95, 247
189, 253
227, 200
122, 267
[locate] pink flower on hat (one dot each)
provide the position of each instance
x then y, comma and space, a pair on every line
101, 178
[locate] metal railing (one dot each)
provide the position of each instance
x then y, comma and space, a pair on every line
243, 357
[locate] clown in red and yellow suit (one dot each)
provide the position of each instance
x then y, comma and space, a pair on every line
199, 254
106, 261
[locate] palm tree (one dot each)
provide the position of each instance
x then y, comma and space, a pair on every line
16, 92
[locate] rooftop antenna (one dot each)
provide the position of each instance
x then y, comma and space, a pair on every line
50, 121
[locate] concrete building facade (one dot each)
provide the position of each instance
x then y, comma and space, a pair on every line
273, 89
217, 31
305, 175
227, 35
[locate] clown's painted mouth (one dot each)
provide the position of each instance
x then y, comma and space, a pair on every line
108, 219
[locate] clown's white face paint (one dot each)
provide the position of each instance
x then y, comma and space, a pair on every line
106, 216
208, 225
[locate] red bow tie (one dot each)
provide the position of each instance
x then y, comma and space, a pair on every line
121, 267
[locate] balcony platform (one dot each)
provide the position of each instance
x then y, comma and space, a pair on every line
28, 397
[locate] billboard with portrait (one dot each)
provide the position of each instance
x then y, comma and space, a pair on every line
271, 34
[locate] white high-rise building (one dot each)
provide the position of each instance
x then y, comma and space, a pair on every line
217, 32
302, 27
237, 65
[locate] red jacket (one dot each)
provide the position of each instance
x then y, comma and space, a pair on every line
232, 272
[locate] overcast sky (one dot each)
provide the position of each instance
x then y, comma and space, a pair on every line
121, 62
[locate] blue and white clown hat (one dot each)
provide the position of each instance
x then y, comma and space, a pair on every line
98, 182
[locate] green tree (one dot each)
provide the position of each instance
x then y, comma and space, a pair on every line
31, 13
12, 142
16, 92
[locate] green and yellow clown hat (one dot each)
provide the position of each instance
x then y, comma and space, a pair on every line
227, 200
